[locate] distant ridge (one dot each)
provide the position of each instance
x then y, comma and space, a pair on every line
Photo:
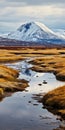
6, 43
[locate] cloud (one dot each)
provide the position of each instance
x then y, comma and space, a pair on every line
20, 3
37, 2
15, 12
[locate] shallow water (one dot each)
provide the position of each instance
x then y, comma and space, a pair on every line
22, 111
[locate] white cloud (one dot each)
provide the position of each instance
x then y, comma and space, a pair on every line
13, 11
31, 2
40, 11
35, 11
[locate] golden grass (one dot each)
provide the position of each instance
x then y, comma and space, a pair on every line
1, 91
55, 100
14, 55
55, 64
38, 51
9, 81
35, 51
51, 60
12, 86
9, 73
46, 60
7, 56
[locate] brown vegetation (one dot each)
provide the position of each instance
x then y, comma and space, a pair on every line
55, 101
55, 64
53, 61
9, 56
46, 60
9, 81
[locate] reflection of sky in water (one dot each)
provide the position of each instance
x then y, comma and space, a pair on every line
21, 111
36, 78
17, 113
49, 78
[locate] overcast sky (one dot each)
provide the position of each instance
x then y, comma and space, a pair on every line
15, 12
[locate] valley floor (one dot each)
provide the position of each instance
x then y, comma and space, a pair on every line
43, 60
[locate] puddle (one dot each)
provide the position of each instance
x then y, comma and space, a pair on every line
22, 111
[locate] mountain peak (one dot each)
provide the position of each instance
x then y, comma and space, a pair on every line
35, 32
27, 26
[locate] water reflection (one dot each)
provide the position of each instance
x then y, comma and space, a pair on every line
26, 72
17, 113
22, 111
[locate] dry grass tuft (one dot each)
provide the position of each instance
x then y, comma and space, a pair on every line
9, 56
9, 81
55, 64
8, 73
55, 100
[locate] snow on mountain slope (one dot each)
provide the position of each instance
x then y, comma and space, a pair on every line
35, 32
46, 29
60, 32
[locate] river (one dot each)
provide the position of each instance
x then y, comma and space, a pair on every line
22, 111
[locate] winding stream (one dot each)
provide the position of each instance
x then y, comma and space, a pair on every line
22, 111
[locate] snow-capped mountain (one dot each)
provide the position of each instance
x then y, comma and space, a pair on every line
36, 32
